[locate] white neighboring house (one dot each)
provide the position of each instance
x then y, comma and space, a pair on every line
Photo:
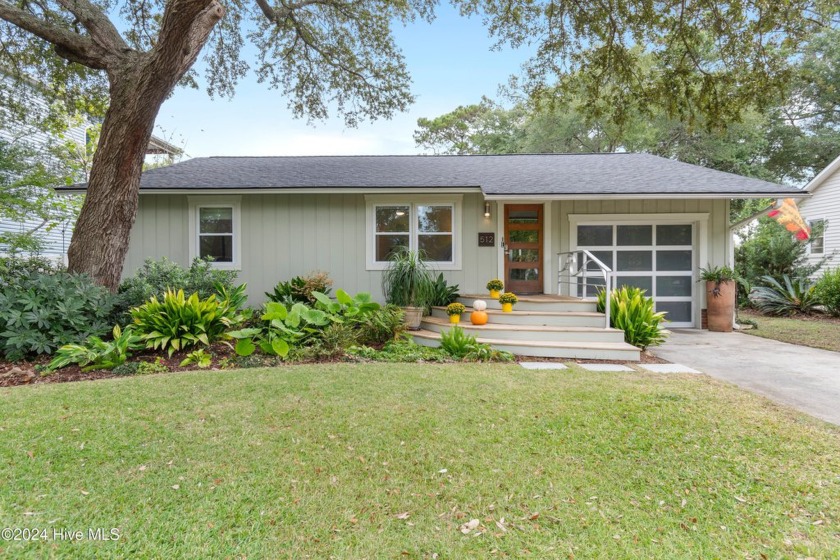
823, 206
55, 234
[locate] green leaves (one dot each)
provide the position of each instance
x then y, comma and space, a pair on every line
97, 353
632, 312
178, 322
795, 296
41, 312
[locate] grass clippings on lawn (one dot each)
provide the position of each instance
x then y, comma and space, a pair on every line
817, 331
416, 461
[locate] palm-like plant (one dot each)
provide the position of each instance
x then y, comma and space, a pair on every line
794, 296
408, 280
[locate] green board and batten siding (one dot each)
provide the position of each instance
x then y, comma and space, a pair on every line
287, 235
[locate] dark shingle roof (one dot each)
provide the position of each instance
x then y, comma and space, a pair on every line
500, 175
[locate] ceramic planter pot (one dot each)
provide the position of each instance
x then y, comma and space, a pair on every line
495, 294
507, 307
455, 319
413, 316
720, 303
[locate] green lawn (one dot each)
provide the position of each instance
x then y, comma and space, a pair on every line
390, 460
806, 331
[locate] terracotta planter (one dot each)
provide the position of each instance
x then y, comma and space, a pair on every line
720, 302
507, 307
413, 316
494, 294
455, 319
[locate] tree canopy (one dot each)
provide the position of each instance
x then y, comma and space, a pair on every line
340, 56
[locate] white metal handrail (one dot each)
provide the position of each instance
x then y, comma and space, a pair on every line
576, 265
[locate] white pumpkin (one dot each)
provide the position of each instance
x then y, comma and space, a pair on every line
479, 305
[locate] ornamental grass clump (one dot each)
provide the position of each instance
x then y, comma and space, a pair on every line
633, 312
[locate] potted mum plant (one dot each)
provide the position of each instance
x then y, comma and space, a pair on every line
495, 286
508, 299
454, 310
720, 296
408, 283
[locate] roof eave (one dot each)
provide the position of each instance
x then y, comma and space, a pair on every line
823, 175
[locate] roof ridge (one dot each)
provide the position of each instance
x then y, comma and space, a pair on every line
433, 155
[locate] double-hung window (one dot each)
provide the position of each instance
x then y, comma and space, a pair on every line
429, 227
215, 230
817, 236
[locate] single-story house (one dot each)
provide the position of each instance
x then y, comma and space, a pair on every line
654, 221
823, 208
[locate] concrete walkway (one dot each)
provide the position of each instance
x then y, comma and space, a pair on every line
805, 378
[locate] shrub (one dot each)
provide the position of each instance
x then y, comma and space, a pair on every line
156, 277
632, 312
400, 351
794, 296
381, 326
443, 293
177, 322
14, 269
42, 312
300, 289
770, 250
198, 357
96, 353
827, 291
462, 346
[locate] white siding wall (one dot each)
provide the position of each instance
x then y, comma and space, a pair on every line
825, 204
56, 235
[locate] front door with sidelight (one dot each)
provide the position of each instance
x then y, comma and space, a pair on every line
523, 248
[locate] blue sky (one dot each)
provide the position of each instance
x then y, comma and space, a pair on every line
451, 64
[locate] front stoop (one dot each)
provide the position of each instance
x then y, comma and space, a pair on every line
542, 326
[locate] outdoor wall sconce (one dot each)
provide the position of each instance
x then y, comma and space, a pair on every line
486, 209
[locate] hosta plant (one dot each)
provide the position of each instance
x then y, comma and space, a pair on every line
777, 298
633, 312
198, 357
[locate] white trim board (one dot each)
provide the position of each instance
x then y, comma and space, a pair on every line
455, 200
235, 202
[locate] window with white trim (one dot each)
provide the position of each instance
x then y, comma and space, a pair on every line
817, 245
215, 230
428, 226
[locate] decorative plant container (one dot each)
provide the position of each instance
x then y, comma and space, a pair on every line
479, 314
720, 297
508, 299
454, 310
495, 286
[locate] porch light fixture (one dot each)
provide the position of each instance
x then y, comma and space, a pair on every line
486, 209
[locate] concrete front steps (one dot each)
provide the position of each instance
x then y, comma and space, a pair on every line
542, 326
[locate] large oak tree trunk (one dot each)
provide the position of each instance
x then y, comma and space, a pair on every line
140, 84
100, 239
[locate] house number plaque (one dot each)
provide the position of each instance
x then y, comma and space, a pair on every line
487, 239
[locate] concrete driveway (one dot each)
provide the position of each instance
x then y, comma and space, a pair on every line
805, 378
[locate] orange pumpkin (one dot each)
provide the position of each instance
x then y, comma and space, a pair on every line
478, 317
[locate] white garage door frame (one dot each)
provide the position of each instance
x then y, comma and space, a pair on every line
700, 237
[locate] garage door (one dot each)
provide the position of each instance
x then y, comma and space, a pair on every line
658, 258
